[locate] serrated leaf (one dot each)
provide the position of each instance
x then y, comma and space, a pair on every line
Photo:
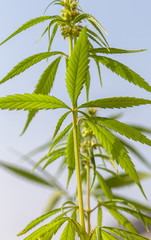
53, 158
123, 220
31, 115
60, 136
52, 36
70, 158
27, 25
136, 153
92, 159
94, 39
116, 102
125, 72
31, 102
99, 216
114, 50
25, 174
136, 213
123, 129
44, 86
93, 235
78, 67
125, 234
47, 230
105, 188
87, 85
68, 232
54, 153
46, 80
98, 233
135, 203
27, 63
99, 31
93, 20
59, 123
99, 71
108, 236
123, 180
96, 36
115, 149
81, 17
38, 220
142, 128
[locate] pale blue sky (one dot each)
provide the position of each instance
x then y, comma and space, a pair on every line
129, 26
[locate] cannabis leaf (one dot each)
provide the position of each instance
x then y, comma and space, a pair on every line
29, 24
116, 102
77, 67
31, 102
44, 86
27, 63
125, 72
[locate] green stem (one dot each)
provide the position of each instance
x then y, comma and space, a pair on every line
78, 172
70, 45
88, 195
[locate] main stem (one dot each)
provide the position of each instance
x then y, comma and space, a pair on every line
88, 195
77, 160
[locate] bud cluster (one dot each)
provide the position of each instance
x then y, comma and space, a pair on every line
87, 133
69, 13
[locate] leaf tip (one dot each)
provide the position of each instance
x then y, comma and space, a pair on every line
21, 233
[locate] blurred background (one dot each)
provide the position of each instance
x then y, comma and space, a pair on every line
128, 25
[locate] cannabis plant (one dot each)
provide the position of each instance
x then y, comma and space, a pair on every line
89, 143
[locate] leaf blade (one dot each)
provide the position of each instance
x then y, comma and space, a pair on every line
116, 102
31, 102
27, 25
27, 63
77, 67
125, 72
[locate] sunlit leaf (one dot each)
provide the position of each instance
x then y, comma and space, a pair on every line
105, 188
123, 220
59, 123
70, 158
123, 180
125, 72
68, 232
38, 220
113, 51
31, 102
60, 136
108, 236
125, 234
53, 158
114, 148
29, 24
123, 129
52, 36
27, 63
116, 102
44, 86
78, 67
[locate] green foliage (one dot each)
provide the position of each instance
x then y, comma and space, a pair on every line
77, 68
27, 63
28, 25
87, 144
31, 102
123, 71
116, 102
25, 174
